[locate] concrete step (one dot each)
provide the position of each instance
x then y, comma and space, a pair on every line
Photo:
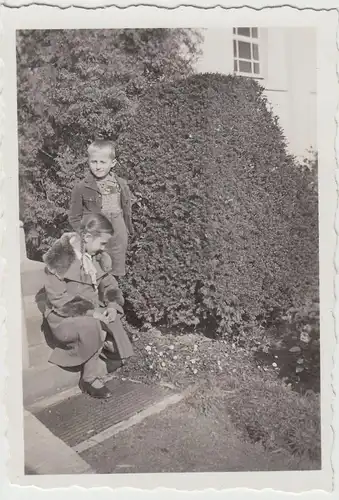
33, 318
35, 335
38, 349
39, 355
32, 276
47, 380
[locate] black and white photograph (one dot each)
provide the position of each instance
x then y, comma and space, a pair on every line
169, 222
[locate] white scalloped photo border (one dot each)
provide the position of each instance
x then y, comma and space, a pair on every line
163, 11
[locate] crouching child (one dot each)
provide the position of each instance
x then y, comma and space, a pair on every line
84, 304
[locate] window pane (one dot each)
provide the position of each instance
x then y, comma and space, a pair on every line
244, 50
234, 30
235, 65
244, 31
255, 51
235, 48
255, 32
245, 67
256, 68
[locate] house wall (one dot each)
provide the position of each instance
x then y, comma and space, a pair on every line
288, 73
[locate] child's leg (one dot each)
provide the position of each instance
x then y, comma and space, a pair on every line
78, 339
91, 382
117, 246
117, 340
111, 357
91, 369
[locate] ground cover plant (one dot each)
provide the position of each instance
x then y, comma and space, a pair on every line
230, 381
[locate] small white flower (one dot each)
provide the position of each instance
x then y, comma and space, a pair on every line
304, 337
148, 348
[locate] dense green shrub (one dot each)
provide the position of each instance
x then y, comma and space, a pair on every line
74, 85
226, 225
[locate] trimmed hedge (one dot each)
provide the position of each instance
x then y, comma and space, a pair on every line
226, 226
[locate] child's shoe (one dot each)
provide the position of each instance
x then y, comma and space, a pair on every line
95, 389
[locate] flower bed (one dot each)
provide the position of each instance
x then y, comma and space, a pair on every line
258, 402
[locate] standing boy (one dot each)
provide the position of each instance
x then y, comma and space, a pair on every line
102, 191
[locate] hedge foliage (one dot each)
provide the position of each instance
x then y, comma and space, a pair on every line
75, 85
227, 227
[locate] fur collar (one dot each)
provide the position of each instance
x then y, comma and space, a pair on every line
60, 256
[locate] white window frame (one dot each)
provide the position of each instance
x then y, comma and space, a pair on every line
251, 40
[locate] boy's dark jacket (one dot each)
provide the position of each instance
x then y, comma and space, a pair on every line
86, 198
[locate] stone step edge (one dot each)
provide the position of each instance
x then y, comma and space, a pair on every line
48, 380
39, 441
66, 460
70, 392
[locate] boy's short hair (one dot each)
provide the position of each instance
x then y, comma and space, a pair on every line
100, 144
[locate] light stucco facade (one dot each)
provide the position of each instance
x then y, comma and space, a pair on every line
284, 62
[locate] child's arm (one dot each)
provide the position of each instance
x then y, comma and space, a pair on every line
110, 293
61, 301
76, 208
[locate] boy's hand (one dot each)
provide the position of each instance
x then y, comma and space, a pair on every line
101, 316
110, 314
114, 305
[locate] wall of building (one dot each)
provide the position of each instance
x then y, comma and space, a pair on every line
288, 73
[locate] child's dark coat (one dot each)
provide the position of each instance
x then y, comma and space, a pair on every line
86, 198
71, 299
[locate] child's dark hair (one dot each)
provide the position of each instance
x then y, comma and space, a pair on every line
95, 224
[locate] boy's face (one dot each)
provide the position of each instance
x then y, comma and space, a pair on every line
101, 162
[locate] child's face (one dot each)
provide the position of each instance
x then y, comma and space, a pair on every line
95, 244
101, 162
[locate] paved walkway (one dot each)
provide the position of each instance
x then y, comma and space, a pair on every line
74, 421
